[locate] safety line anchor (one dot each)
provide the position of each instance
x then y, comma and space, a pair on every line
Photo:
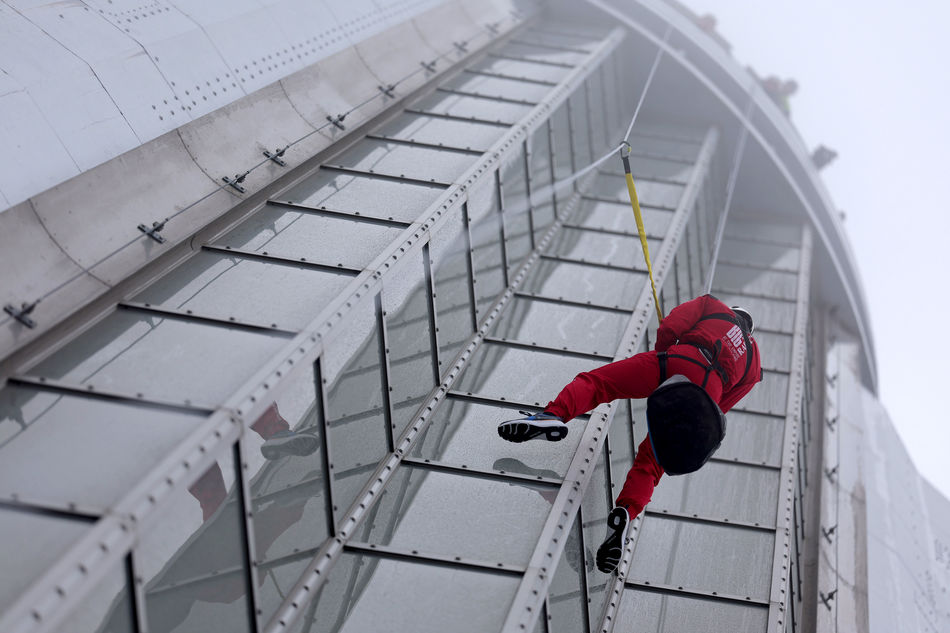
21, 314
492, 28
828, 532
826, 599
337, 121
235, 183
462, 46
388, 90
830, 473
276, 156
154, 231
430, 66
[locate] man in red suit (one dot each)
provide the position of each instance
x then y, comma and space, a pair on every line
704, 340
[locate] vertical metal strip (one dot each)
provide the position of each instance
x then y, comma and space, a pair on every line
470, 267
243, 496
500, 203
433, 323
136, 592
382, 340
321, 404
526, 161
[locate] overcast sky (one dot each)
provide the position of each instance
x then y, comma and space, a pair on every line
874, 85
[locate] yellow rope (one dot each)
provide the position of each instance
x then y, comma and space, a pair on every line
635, 202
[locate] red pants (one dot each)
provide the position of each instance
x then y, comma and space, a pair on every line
634, 377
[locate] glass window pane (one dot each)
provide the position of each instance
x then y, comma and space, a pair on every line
497, 371
729, 560
565, 597
472, 107
49, 539
768, 314
457, 436
65, 434
769, 396
775, 350
600, 138
758, 254
498, 87
789, 234
437, 130
586, 284
650, 168
485, 229
649, 193
562, 148
752, 437
324, 239
193, 558
479, 519
580, 121
622, 446
353, 383
364, 195
560, 326
597, 503
722, 491
738, 279
518, 48
648, 612
522, 69
601, 248
167, 358
108, 609
618, 216
449, 257
370, 593
542, 193
252, 291
410, 353
665, 147
405, 161
518, 238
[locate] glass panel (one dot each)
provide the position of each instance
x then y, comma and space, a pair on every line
518, 238
193, 558
597, 503
517, 48
66, 434
457, 435
49, 538
722, 491
449, 257
287, 477
649, 168
108, 609
666, 147
601, 248
618, 216
769, 396
498, 88
737, 279
649, 193
226, 286
353, 383
768, 314
622, 447
574, 41
757, 254
561, 151
405, 161
324, 239
694, 254
600, 138
166, 358
789, 234
406, 306
522, 69
485, 229
775, 350
364, 195
508, 373
369, 593
478, 519
565, 595
586, 284
542, 194
472, 107
436, 130
752, 437
580, 121
729, 560
647, 612
561, 326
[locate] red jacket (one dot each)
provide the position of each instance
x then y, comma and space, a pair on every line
742, 366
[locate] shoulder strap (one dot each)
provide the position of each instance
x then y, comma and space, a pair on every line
724, 316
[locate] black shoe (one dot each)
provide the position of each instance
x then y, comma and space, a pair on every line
287, 443
523, 429
611, 550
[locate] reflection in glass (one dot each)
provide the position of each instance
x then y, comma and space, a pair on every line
767, 283
648, 612
566, 598
541, 172
450, 264
585, 284
597, 503
487, 254
752, 437
193, 559
405, 161
434, 130
517, 215
107, 609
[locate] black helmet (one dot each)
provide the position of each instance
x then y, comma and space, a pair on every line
745, 318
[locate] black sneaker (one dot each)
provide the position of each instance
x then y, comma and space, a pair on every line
523, 429
611, 550
287, 443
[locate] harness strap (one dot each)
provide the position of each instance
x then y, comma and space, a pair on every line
663, 357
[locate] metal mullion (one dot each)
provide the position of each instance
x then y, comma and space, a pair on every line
494, 475
136, 578
376, 175
543, 348
589, 120
549, 131
626, 203
455, 562
61, 386
553, 47
744, 462
528, 60
476, 95
433, 320
569, 111
526, 165
581, 262
695, 518
603, 102
455, 117
596, 229
529, 80
766, 241
325, 448
74, 513
500, 203
756, 266
254, 604
335, 213
754, 295
470, 267
189, 315
300, 262
414, 143
654, 587
645, 153
577, 304
490, 401
382, 340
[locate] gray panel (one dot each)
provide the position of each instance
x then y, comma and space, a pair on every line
622, 448
472, 107
561, 326
753, 437
498, 87
587, 284
517, 68
485, 229
368, 593
768, 314
192, 559
580, 120
765, 255
722, 491
649, 193
565, 595
509, 373
585, 42
738, 280
618, 216
84, 437
775, 350
728, 560
397, 159
449, 257
670, 147
768, 396
107, 609
526, 50
601, 248
30, 544
319, 238
436, 130
478, 519
248, 290
185, 361
540, 169
783, 233
653, 168
518, 238
648, 612
562, 148
463, 433
364, 195
596, 504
